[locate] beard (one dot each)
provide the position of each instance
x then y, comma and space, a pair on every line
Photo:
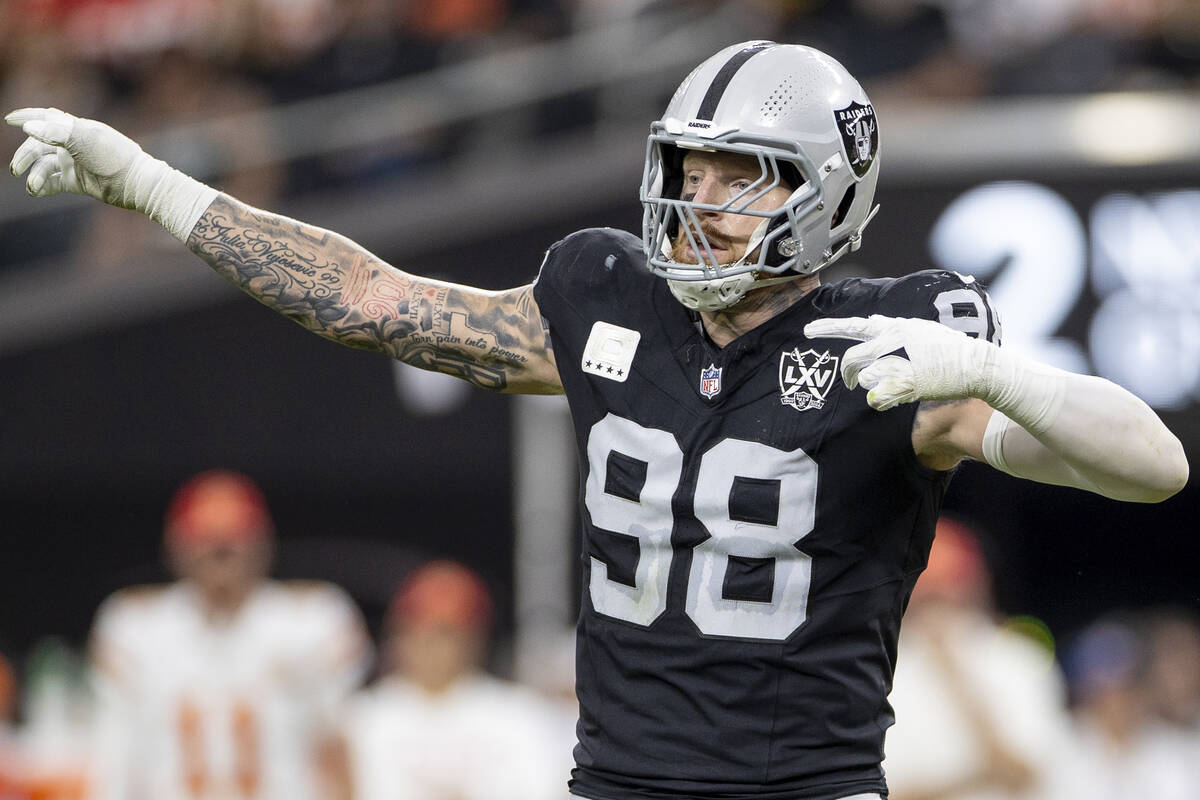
730, 253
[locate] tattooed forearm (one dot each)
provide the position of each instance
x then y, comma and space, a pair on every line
338, 290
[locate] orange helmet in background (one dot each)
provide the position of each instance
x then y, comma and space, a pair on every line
957, 571
443, 593
218, 505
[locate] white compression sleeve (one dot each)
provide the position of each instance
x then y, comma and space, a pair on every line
1029, 393
993, 441
1085, 432
166, 195
1032, 460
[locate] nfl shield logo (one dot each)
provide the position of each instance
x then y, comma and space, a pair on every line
806, 378
710, 381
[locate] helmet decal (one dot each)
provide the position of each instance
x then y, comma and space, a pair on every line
716, 90
860, 135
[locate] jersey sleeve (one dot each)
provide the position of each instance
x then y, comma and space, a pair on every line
955, 300
581, 266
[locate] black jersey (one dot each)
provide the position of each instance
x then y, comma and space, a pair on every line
752, 531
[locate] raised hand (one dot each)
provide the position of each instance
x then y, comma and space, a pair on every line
68, 154
939, 363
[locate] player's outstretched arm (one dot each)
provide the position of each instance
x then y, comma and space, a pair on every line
1039, 422
339, 290
319, 279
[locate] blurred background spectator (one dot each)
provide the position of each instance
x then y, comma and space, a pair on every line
1173, 671
223, 684
1121, 749
980, 711
437, 726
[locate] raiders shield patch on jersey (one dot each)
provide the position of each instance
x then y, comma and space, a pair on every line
609, 351
860, 135
805, 378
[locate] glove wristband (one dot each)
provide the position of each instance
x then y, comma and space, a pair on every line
172, 199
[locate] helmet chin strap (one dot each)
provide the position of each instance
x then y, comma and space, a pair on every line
721, 293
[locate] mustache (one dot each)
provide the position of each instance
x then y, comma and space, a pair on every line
704, 233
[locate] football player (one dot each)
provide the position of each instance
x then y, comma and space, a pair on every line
980, 708
436, 726
754, 520
223, 684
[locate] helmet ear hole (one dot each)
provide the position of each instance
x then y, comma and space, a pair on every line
843, 207
672, 166
790, 176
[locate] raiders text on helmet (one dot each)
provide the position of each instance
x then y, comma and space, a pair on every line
811, 128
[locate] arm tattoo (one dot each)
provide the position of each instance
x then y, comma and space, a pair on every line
338, 290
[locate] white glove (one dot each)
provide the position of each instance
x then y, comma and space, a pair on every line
942, 363
1073, 430
68, 154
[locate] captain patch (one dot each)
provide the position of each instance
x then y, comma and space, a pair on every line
609, 351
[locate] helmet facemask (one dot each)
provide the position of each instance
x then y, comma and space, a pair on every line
810, 128
773, 249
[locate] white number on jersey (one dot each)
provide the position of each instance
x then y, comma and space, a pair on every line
968, 311
756, 503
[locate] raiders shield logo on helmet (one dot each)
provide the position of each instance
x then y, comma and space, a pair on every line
806, 378
860, 135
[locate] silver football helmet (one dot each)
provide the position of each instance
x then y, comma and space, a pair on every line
811, 128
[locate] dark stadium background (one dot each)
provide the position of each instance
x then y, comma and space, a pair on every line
97, 429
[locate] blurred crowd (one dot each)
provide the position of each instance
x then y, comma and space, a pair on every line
88, 54
227, 683
149, 65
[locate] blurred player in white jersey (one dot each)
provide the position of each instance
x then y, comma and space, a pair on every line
222, 684
980, 708
437, 727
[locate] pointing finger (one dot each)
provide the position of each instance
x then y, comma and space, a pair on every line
858, 328
22, 115
46, 124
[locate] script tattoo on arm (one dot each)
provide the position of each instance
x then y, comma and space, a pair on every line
339, 290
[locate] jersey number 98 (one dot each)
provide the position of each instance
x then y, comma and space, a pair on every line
756, 503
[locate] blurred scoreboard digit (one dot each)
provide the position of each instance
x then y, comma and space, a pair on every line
1099, 277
